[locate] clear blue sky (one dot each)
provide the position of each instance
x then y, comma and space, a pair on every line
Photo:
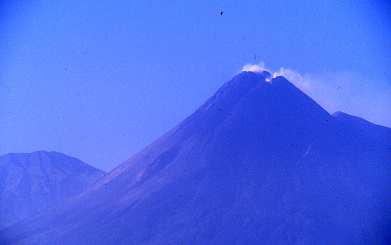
100, 80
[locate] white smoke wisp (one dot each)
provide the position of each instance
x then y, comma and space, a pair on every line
356, 94
254, 67
349, 92
304, 83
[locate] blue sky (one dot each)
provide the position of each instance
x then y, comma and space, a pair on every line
100, 80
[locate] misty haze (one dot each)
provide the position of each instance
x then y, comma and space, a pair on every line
137, 123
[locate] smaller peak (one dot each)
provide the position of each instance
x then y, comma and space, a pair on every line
338, 114
342, 116
266, 73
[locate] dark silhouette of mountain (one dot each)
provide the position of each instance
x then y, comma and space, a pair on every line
31, 182
259, 163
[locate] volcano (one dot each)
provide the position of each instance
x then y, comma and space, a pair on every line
258, 163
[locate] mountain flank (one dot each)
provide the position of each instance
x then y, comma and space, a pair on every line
260, 162
31, 182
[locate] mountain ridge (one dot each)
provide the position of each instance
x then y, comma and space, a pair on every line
259, 162
31, 182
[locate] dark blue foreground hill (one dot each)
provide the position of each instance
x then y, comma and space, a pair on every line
31, 182
259, 163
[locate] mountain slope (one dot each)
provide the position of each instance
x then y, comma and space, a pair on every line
381, 133
30, 182
259, 163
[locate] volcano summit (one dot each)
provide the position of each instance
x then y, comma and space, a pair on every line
258, 163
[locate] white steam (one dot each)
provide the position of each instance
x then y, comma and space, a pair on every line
304, 83
356, 94
254, 68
